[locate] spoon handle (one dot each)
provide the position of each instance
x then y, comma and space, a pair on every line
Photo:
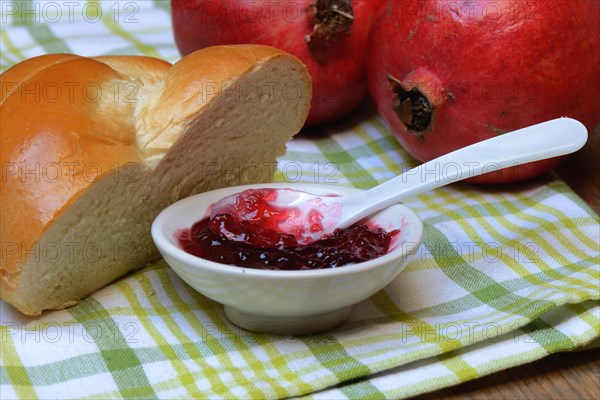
545, 140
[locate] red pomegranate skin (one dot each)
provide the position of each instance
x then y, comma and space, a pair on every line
339, 85
487, 67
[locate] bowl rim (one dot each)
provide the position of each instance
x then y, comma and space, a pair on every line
165, 246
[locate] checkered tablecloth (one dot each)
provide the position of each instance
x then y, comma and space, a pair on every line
505, 275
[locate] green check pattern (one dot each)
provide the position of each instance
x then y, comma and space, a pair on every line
505, 275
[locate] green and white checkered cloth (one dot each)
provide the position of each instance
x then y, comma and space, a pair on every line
504, 276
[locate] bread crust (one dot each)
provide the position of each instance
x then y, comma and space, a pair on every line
66, 124
18, 73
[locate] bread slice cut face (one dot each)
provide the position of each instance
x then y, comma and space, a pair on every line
92, 149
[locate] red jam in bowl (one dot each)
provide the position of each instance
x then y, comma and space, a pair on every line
253, 218
354, 244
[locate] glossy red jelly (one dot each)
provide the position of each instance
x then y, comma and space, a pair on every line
355, 244
253, 219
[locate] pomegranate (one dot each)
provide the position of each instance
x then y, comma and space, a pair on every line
448, 74
329, 36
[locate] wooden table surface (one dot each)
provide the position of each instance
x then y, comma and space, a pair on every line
573, 375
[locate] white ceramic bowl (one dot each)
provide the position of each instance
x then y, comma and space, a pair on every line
285, 302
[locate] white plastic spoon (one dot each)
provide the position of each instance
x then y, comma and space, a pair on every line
308, 217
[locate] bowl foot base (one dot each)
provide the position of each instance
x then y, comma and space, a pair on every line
291, 326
